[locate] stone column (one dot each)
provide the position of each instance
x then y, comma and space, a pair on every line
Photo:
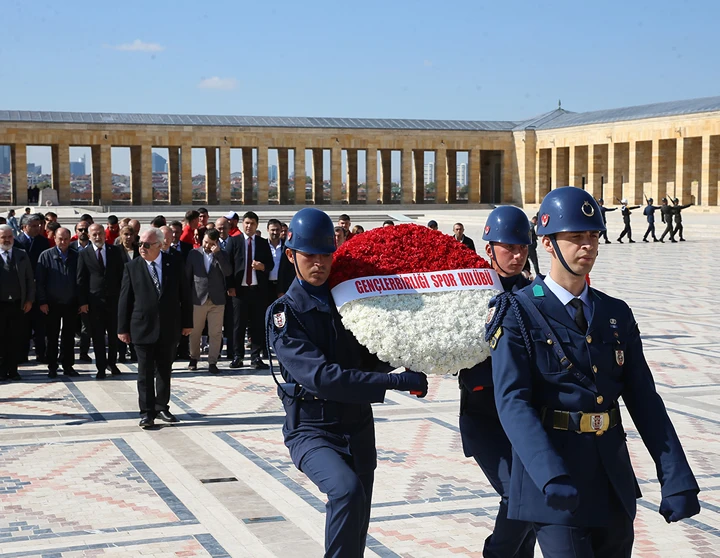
407, 194
317, 175
211, 181
441, 175
711, 168
283, 177
174, 176
633, 171
385, 175
419, 178
657, 190
612, 180
225, 175
371, 170
101, 174
299, 170
507, 177
451, 176
61, 172
186, 174
554, 164
594, 182
247, 176
351, 175
572, 165
682, 171
263, 180
146, 185
474, 176
336, 195
19, 184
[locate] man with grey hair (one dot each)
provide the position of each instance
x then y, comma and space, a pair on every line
17, 293
153, 311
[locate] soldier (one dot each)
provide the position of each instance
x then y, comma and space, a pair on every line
626, 211
666, 213
649, 212
564, 353
603, 211
507, 232
676, 209
328, 387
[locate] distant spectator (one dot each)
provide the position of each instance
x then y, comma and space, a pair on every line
432, 225
283, 232
340, 236
158, 222
24, 217
12, 221
388, 223
459, 233
50, 231
87, 217
202, 226
124, 222
357, 229
112, 231
344, 222
233, 219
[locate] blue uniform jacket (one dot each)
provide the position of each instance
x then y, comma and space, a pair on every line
610, 355
649, 212
477, 402
336, 378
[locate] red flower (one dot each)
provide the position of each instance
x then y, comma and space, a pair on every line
400, 249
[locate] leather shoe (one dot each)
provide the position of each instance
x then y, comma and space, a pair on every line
147, 422
258, 364
167, 416
52, 373
15, 377
213, 369
122, 359
192, 365
236, 363
100, 375
115, 371
69, 371
84, 357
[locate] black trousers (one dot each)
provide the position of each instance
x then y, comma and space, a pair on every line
85, 333
668, 230
103, 319
229, 328
67, 314
154, 369
650, 231
603, 234
626, 231
11, 333
678, 230
249, 314
533, 257
34, 328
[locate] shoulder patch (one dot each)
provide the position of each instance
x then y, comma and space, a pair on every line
538, 290
490, 315
279, 320
495, 336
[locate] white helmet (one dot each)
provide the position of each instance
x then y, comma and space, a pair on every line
623, 201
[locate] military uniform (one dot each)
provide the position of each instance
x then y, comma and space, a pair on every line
676, 209
666, 213
626, 212
557, 390
649, 212
603, 211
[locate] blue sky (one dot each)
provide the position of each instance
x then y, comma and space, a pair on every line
472, 60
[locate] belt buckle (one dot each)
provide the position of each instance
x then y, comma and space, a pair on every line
594, 422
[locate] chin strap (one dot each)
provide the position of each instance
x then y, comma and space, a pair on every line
560, 257
494, 258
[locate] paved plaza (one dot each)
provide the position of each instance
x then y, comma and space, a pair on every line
79, 478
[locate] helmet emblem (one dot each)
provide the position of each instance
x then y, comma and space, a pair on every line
587, 209
289, 235
544, 219
487, 229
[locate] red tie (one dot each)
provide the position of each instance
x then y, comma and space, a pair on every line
249, 259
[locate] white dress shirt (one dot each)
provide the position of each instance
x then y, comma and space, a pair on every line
158, 267
254, 274
208, 257
565, 296
276, 254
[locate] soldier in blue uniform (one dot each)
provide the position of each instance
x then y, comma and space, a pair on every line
649, 212
564, 353
507, 232
329, 382
603, 211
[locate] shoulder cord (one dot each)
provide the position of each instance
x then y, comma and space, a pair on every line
268, 331
504, 302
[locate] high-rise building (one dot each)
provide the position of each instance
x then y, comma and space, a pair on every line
32, 168
4, 159
159, 163
462, 174
273, 173
429, 173
77, 168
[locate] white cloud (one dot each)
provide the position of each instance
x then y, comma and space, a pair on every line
218, 83
139, 46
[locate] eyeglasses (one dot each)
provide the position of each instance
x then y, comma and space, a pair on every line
147, 245
82, 230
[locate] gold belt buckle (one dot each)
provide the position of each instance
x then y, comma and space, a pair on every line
594, 422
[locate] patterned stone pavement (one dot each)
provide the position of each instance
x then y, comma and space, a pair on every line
79, 478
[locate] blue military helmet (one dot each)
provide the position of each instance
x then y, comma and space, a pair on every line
569, 209
507, 224
311, 231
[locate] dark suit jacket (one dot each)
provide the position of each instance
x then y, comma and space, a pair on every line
236, 251
185, 249
33, 247
467, 241
96, 285
75, 247
25, 274
286, 273
204, 285
147, 318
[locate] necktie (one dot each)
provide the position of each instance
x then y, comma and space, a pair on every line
100, 259
248, 263
155, 278
6, 257
580, 319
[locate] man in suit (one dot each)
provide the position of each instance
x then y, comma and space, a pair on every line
179, 246
34, 243
562, 356
282, 273
82, 241
251, 262
56, 284
153, 311
206, 269
99, 274
17, 293
459, 232
222, 226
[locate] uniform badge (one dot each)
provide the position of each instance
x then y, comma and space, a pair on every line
619, 357
613, 321
491, 315
494, 339
487, 229
279, 319
587, 209
545, 219
289, 235
596, 422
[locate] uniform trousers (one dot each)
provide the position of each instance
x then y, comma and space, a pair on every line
349, 497
650, 231
603, 235
154, 369
67, 314
213, 314
615, 540
626, 231
11, 321
678, 230
668, 230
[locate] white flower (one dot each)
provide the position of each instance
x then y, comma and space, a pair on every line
438, 333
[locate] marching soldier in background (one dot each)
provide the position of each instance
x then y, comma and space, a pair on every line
563, 355
676, 209
507, 233
649, 212
626, 211
666, 213
603, 211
